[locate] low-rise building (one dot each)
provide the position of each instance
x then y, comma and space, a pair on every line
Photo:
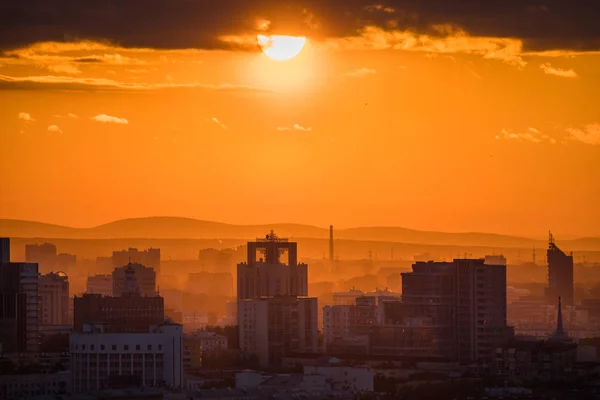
16, 387
154, 358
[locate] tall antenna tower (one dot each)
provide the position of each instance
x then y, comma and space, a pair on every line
533, 256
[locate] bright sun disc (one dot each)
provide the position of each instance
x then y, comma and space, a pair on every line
281, 48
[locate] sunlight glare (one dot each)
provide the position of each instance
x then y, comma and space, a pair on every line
281, 48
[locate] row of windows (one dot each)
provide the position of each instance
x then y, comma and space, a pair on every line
114, 347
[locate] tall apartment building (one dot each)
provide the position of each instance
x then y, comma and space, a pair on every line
560, 275
272, 328
99, 284
148, 258
145, 277
460, 305
44, 255
19, 307
54, 299
272, 269
150, 358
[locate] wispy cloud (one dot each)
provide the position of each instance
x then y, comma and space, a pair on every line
54, 129
530, 135
379, 7
216, 121
447, 41
589, 134
69, 115
295, 127
63, 68
563, 73
360, 73
26, 116
110, 119
50, 82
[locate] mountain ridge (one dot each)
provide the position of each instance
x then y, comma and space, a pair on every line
164, 227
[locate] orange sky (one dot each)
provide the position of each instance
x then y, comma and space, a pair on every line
451, 132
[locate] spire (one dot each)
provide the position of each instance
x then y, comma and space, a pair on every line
559, 334
559, 321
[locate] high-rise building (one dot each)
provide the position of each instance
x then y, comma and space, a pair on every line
99, 284
145, 277
54, 299
272, 328
275, 318
102, 359
459, 305
560, 275
148, 258
20, 307
44, 255
129, 312
272, 269
4, 250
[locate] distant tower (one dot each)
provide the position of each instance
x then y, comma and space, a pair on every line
560, 274
331, 243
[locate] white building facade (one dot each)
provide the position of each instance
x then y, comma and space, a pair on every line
156, 357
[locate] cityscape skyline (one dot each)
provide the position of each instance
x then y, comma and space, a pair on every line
299, 199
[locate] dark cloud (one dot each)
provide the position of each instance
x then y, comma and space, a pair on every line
550, 24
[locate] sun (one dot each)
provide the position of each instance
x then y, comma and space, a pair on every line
281, 48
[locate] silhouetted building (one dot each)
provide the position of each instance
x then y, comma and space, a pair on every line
148, 258
4, 250
268, 274
54, 299
129, 312
560, 275
19, 308
99, 284
13, 318
449, 309
276, 327
145, 277
44, 255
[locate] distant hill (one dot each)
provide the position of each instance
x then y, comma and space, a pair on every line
187, 228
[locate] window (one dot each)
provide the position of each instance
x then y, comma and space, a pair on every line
137, 347
114, 347
83, 347
92, 347
149, 347
126, 347
101, 347
160, 346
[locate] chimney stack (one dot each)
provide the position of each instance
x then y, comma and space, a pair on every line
331, 243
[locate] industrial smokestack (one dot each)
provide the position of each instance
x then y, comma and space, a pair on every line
331, 243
